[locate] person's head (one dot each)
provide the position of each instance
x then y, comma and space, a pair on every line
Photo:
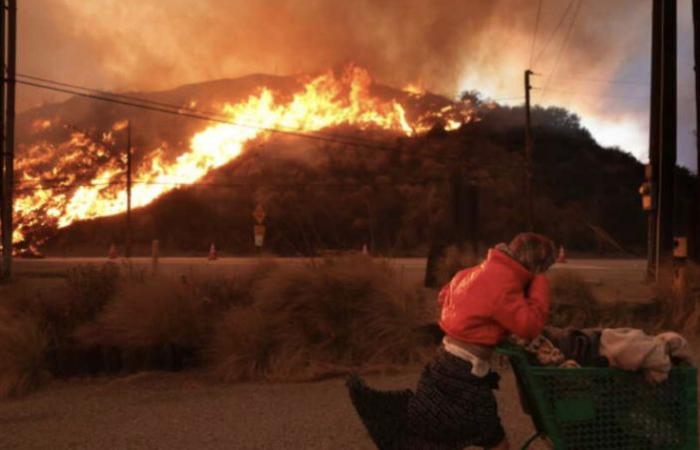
535, 252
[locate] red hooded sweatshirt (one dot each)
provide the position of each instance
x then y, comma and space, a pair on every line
484, 304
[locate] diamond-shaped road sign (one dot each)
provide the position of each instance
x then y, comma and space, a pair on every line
259, 214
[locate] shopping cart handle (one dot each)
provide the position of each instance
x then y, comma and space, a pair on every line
511, 351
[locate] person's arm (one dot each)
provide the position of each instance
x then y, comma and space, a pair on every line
525, 316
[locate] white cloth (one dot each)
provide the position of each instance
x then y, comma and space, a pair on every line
632, 349
480, 367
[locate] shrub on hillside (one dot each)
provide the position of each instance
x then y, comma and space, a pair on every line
310, 321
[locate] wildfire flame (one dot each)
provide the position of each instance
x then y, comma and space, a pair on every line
61, 196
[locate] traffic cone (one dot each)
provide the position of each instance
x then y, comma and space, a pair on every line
112, 254
364, 250
562, 255
212, 252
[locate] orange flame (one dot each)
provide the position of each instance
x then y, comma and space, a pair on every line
325, 101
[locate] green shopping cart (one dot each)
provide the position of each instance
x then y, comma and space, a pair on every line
606, 408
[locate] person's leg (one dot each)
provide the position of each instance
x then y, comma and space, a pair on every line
382, 412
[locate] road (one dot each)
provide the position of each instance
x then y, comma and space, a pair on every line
190, 411
613, 280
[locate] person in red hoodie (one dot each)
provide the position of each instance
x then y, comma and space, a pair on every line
453, 406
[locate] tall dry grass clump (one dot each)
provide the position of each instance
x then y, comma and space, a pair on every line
160, 322
91, 288
22, 354
680, 301
311, 321
223, 291
573, 303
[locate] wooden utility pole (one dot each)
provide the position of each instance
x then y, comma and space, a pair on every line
528, 152
694, 235
9, 147
667, 142
2, 137
652, 171
127, 250
465, 212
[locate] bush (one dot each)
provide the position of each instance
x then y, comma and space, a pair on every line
311, 321
160, 321
573, 303
225, 291
92, 287
680, 301
22, 354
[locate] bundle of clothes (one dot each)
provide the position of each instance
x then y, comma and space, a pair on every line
623, 348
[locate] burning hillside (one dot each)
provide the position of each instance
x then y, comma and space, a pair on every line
72, 165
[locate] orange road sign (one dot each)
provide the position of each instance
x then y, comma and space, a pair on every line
259, 214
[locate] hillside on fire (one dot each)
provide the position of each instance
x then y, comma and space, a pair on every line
371, 166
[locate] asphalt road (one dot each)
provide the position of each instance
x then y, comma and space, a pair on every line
189, 411
613, 280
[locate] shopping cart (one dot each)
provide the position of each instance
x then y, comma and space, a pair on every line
606, 408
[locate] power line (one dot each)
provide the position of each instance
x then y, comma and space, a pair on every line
534, 34
584, 94
554, 32
601, 81
563, 46
194, 114
503, 99
177, 108
180, 108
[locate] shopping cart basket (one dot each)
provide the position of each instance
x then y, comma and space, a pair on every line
606, 408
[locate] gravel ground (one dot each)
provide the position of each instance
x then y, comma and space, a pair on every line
188, 411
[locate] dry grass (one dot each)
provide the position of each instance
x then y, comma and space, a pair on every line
223, 291
679, 303
454, 260
573, 302
330, 318
91, 287
22, 354
156, 313
575, 305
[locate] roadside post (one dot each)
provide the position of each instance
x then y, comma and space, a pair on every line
259, 227
155, 254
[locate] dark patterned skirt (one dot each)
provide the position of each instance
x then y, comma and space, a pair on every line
450, 410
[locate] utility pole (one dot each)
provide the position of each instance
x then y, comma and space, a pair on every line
9, 147
2, 136
694, 242
667, 125
528, 152
465, 212
127, 251
652, 170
